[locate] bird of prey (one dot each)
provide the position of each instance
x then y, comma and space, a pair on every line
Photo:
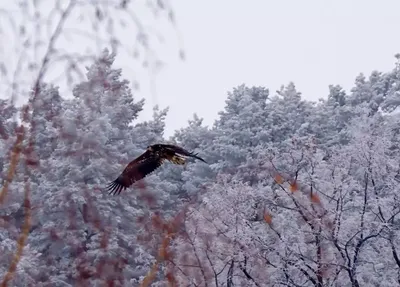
146, 163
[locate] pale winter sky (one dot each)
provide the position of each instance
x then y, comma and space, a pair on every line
267, 43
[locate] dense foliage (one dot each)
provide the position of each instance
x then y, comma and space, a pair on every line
295, 193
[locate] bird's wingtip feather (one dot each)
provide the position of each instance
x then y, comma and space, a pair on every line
114, 187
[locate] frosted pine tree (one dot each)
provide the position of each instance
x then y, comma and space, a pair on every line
390, 88
240, 128
184, 182
7, 131
331, 117
11, 210
150, 132
288, 114
82, 227
369, 92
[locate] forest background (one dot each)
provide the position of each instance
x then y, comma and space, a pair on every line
295, 193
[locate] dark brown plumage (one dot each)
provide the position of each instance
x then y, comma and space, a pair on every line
146, 163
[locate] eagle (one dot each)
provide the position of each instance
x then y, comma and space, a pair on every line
149, 161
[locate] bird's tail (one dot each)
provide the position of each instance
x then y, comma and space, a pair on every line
176, 159
195, 155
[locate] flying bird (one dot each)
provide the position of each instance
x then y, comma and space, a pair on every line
154, 156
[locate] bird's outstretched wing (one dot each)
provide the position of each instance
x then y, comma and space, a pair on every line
136, 170
182, 151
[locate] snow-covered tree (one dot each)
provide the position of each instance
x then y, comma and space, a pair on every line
79, 229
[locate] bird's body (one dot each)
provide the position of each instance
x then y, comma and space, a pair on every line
146, 163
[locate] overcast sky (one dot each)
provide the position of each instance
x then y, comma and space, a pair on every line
269, 43
266, 43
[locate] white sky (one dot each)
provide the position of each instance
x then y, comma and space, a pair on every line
267, 43
313, 43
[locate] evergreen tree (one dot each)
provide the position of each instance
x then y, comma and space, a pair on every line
187, 181
92, 228
240, 128
7, 131
331, 117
